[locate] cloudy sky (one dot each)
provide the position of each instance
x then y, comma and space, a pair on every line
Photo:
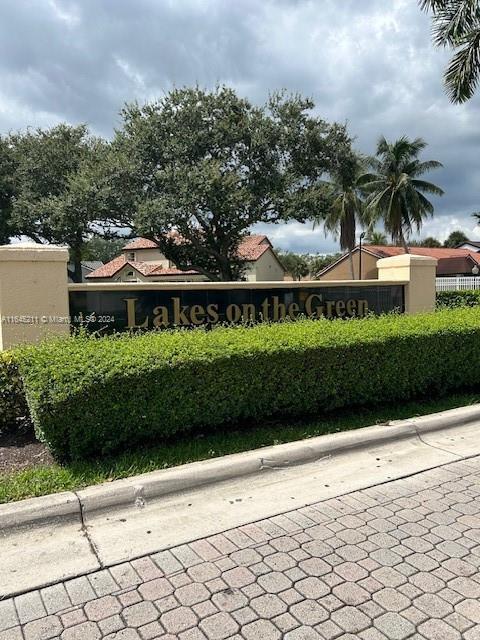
369, 63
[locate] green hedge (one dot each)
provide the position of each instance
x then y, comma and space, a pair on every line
13, 405
453, 299
92, 396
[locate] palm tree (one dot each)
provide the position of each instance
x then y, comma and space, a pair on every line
345, 211
395, 190
456, 24
376, 237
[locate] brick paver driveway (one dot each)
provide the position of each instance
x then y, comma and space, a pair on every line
397, 561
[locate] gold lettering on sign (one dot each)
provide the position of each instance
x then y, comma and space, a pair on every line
351, 307
131, 315
362, 306
249, 311
213, 315
197, 314
233, 313
310, 310
340, 308
293, 310
279, 309
160, 317
330, 304
265, 308
269, 309
179, 316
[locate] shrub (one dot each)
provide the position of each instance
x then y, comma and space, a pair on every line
452, 299
91, 396
13, 405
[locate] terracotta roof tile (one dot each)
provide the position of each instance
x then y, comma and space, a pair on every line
109, 269
140, 243
250, 249
434, 252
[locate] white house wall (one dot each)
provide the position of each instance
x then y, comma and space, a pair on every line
149, 255
265, 269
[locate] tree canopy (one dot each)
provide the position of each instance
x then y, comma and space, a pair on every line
57, 186
205, 166
297, 265
346, 210
396, 190
373, 236
7, 191
455, 238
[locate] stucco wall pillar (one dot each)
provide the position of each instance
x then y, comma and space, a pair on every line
33, 293
419, 272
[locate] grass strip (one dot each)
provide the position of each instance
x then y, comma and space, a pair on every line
42, 480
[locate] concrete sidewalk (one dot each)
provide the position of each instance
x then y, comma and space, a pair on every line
396, 561
87, 531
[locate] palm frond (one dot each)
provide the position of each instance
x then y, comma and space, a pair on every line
455, 20
426, 205
433, 5
427, 187
463, 73
419, 168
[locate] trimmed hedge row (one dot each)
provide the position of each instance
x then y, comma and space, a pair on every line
13, 405
92, 396
453, 299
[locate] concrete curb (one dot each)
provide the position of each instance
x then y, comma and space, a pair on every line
47, 508
134, 491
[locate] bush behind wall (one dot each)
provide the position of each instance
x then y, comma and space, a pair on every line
92, 396
453, 299
13, 405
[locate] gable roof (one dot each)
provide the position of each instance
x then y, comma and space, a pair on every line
250, 249
140, 243
473, 243
449, 261
432, 252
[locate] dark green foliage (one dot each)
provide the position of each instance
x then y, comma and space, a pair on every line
103, 249
296, 264
431, 243
13, 406
58, 186
94, 396
395, 188
453, 299
456, 25
209, 164
318, 263
455, 238
7, 191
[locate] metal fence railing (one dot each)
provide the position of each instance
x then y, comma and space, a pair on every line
458, 283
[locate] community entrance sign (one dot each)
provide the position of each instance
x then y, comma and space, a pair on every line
120, 309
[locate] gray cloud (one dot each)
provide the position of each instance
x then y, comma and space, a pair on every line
368, 63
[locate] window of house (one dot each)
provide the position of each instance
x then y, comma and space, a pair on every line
130, 275
131, 255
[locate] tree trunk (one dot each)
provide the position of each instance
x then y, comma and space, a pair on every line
405, 245
77, 264
350, 259
225, 268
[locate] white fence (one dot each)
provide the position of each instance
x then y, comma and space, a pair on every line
458, 283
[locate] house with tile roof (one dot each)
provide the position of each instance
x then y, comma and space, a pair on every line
142, 261
88, 266
472, 245
450, 262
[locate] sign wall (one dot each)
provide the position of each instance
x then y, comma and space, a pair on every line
122, 310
